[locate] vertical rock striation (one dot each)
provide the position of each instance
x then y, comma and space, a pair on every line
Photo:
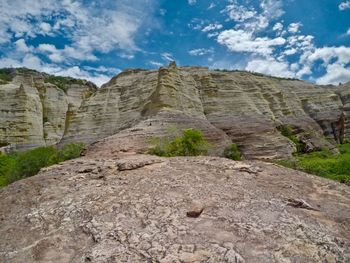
33, 112
245, 108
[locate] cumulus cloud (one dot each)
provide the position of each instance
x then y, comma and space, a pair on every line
290, 53
252, 19
278, 27
335, 61
344, 5
95, 27
294, 28
21, 46
336, 73
242, 41
270, 66
81, 30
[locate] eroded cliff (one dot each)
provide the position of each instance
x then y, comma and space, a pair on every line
35, 112
244, 108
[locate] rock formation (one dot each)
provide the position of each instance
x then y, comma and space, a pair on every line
124, 207
34, 112
116, 204
245, 108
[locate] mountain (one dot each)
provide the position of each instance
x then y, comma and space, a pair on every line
117, 204
245, 108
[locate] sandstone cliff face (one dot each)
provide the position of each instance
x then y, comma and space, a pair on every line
34, 113
240, 107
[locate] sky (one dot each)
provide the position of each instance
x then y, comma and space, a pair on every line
95, 40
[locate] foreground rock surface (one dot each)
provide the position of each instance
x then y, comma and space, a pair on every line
134, 208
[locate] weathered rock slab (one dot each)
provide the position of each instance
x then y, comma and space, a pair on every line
138, 214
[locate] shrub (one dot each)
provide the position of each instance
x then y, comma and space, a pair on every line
5, 75
232, 152
62, 82
70, 151
19, 165
287, 131
191, 143
324, 163
29, 163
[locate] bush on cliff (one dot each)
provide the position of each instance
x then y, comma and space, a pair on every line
62, 82
5, 75
232, 152
324, 163
19, 165
287, 131
190, 143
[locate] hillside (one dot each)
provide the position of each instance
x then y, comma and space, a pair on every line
117, 204
248, 109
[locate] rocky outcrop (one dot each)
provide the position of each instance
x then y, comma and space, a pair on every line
136, 208
244, 108
34, 112
240, 107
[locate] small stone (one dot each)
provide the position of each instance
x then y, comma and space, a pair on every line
195, 210
85, 170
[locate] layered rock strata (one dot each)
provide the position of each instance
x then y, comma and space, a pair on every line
239, 107
35, 113
230, 107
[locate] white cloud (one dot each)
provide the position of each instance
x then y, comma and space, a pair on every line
335, 74
156, 64
212, 27
58, 55
294, 28
241, 41
348, 32
167, 56
91, 27
192, 2
240, 13
96, 75
271, 67
344, 5
339, 55
45, 27
201, 51
21, 46
254, 19
277, 27
334, 61
211, 6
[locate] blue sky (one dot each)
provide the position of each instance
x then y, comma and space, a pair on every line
95, 40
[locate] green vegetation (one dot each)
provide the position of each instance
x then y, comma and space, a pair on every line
232, 152
5, 75
190, 143
287, 131
254, 73
62, 82
324, 163
19, 165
